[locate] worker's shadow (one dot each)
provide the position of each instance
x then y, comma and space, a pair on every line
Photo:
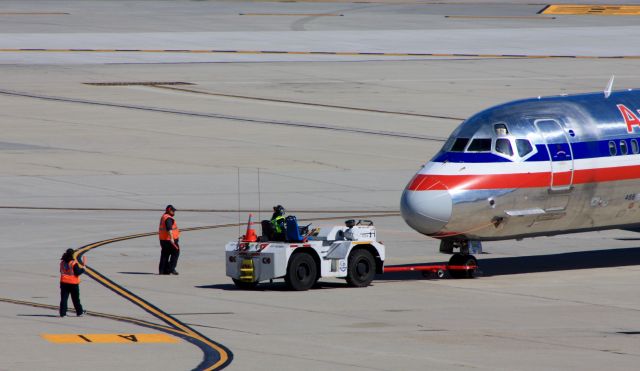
541, 263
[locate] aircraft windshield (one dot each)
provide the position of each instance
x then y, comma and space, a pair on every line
480, 145
503, 146
495, 135
524, 147
459, 144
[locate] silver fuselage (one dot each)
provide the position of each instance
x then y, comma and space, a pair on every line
533, 167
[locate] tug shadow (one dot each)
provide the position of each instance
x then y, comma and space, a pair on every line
540, 263
275, 286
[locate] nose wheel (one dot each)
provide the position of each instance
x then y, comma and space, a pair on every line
463, 266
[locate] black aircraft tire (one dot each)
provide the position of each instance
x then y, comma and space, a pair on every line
361, 268
302, 273
463, 260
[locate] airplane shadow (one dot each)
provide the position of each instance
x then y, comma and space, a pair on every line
543, 263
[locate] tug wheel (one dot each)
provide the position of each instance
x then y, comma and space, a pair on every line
361, 268
302, 273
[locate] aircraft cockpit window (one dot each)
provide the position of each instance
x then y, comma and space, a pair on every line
623, 147
524, 147
612, 148
634, 146
501, 129
459, 144
503, 145
480, 145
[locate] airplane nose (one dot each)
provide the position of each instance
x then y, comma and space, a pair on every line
426, 211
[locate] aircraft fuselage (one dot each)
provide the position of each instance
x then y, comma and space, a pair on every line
533, 167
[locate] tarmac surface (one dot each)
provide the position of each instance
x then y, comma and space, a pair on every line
282, 103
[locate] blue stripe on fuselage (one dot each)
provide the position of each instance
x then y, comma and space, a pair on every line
581, 150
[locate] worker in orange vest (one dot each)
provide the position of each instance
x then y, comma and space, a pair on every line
169, 242
70, 271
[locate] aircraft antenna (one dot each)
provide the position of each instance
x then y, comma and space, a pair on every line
239, 221
259, 203
607, 91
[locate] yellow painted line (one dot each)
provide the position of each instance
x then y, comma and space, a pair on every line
124, 293
497, 17
109, 338
224, 356
560, 9
295, 14
34, 13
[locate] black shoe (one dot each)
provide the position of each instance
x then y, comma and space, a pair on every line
175, 273
63, 315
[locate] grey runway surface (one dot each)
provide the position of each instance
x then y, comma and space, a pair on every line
95, 143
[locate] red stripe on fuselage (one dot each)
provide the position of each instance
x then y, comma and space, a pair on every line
425, 182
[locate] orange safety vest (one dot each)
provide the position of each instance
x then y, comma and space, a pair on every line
162, 229
66, 273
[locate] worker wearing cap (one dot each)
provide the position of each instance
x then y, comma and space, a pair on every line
70, 271
277, 223
169, 235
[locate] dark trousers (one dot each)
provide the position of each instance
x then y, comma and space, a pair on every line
74, 290
168, 257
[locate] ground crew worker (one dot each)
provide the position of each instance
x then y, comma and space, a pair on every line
277, 223
70, 271
169, 235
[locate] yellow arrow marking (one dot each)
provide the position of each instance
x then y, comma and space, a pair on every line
109, 338
593, 10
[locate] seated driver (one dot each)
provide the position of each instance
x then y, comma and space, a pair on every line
277, 223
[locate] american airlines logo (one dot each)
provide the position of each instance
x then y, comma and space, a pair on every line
630, 118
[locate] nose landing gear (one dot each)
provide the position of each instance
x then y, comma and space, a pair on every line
462, 264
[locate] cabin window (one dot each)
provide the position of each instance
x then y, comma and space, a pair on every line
524, 147
501, 129
459, 144
623, 147
634, 146
612, 148
480, 145
503, 146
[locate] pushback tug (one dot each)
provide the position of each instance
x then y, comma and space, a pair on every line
349, 252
